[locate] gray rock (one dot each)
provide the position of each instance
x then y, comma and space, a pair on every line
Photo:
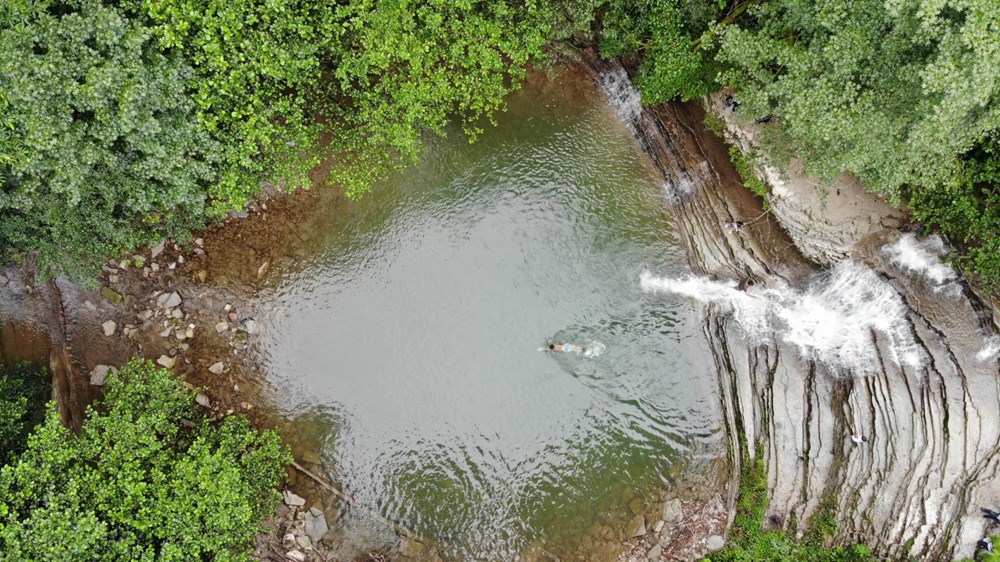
202, 400
217, 368
248, 326
222, 327
99, 374
90, 306
295, 556
316, 525
636, 527
293, 500
715, 542
654, 552
3, 280
189, 332
168, 300
672, 510
166, 361
109, 327
304, 542
157, 249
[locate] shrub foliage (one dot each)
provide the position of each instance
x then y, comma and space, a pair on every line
23, 392
147, 478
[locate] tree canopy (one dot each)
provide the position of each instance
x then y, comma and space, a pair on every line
124, 122
147, 478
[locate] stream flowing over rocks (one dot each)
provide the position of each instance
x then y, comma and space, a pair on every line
863, 364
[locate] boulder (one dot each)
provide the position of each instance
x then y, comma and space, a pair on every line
293, 500
636, 527
98, 375
316, 525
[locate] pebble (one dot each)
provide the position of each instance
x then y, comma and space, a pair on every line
166, 361
166, 333
202, 400
296, 556
221, 327
90, 306
636, 527
155, 250
168, 300
190, 331
715, 542
293, 500
217, 368
109, 327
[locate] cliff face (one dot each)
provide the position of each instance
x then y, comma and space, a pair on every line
886, 344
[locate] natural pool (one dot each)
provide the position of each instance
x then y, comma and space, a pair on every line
408, 339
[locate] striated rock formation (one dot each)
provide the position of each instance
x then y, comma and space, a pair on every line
873, 386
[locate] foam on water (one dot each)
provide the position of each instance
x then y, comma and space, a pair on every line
832, 321
990, 350
922, 257
623, 96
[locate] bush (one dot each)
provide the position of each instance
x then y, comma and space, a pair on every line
750, 543
967, 211
147, 478
23, 391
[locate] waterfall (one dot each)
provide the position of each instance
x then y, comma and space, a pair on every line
833, 321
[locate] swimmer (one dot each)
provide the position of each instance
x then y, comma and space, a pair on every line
565, 347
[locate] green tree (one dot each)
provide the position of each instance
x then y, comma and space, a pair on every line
24, 389
147, 478
100, 148
894, 92
122, 122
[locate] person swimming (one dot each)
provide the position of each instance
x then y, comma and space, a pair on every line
565, 348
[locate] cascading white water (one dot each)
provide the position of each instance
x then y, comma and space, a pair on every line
833, 321
923, 258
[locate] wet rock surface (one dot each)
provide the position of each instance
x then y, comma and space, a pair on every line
900, 444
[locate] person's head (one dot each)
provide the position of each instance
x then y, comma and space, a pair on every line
552, 346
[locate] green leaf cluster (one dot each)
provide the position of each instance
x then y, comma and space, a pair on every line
24, 389
751, 543
665, 35
123, 122
147, 478
903, 94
